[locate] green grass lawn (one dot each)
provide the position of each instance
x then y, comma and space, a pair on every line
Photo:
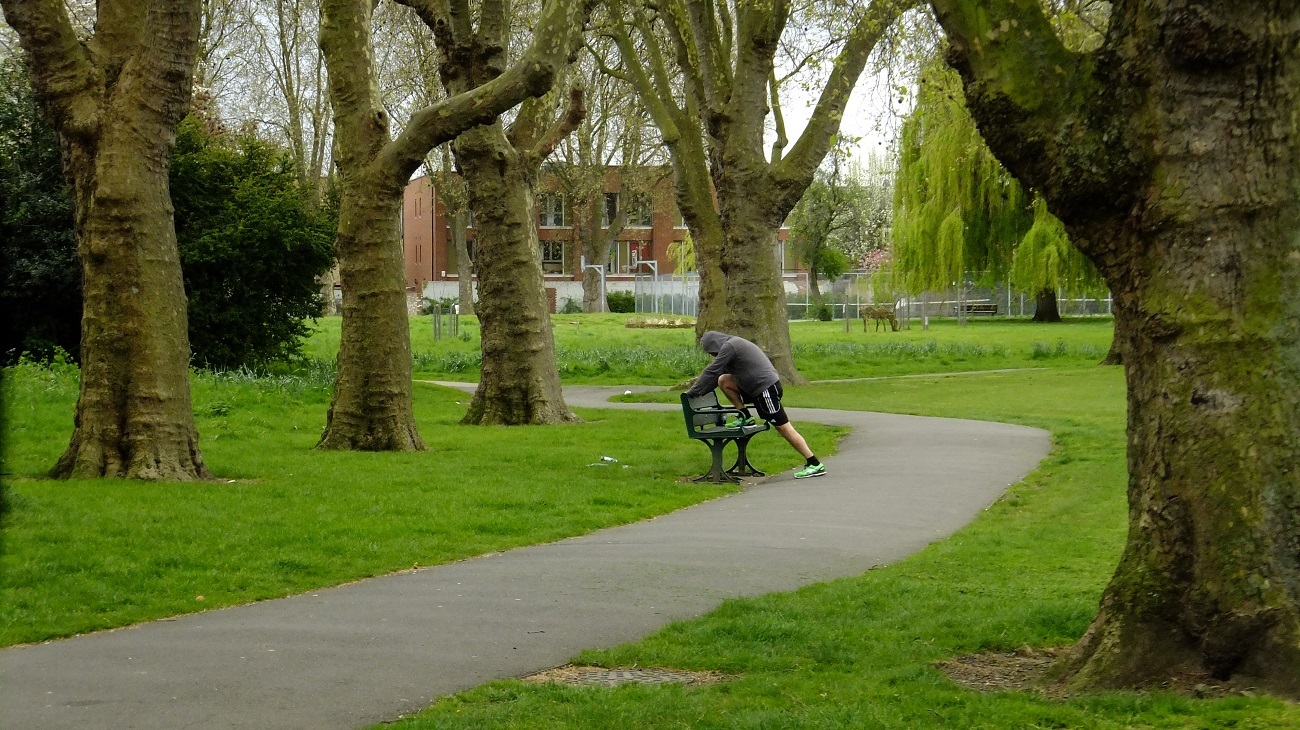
284, 518
859, 652
598, 349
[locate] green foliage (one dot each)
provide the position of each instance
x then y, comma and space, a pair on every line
682, 253
957, 210
621, 302
842, 215
1045, 259
832, 263
251, 240
252, 244
40, 279
571, 306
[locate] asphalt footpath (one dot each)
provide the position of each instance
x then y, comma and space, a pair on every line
371, 651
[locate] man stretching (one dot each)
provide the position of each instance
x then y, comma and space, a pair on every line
746, 376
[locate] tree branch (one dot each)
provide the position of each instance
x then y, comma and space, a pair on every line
797, 169
1037, 104
563, 126
781, 140
63, 75
556, 34
664, 118
715, 63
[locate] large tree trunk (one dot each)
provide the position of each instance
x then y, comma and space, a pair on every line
519, 382
1181, 180
464, 264
133, 414
115, 101
1209, 326
593, 295
371, 410
756, 307
1045, 309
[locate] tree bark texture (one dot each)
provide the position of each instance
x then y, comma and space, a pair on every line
520, 383
1173, 157
115, 102
1045, 306
372, 407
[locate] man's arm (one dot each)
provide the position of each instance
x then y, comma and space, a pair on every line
708, 379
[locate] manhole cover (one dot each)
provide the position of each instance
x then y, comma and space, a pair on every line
602, 677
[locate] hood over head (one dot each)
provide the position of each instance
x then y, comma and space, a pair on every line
712, 342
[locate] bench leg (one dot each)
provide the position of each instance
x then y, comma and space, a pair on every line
716, 474
742, 467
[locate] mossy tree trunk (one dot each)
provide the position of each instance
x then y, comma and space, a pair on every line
726, 53
115, 102
371, 409
519, 383
1172, 155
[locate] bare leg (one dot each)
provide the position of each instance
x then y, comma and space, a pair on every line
789, 434
731, 390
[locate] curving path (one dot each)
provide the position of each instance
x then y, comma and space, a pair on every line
366, 652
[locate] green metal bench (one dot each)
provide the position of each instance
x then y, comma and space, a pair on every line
706, 421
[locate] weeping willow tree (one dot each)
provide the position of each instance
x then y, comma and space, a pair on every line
958, 213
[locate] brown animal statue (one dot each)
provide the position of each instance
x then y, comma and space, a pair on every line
881, 315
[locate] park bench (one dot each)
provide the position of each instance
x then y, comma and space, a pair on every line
706, 421
975, 309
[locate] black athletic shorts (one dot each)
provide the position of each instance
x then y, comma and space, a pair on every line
768, 405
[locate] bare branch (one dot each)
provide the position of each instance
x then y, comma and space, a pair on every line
563, 126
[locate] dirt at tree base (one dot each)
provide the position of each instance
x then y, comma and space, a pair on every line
1026, 670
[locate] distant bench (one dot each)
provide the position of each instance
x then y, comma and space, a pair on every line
973, 309
706, 421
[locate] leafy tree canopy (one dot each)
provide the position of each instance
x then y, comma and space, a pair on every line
959, 213
251, 241
40, 284
251, 245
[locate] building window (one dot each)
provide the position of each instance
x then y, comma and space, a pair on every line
552, 211
625, 255
552, 257
610, 211
641, 213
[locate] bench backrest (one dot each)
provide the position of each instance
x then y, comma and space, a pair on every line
694, 419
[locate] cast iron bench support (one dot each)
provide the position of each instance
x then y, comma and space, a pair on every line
706, 421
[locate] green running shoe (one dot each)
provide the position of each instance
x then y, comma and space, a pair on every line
741, 421
811, 471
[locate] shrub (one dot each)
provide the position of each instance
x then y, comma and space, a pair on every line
571, 306
621, 301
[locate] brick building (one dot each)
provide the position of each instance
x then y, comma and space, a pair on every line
653, 223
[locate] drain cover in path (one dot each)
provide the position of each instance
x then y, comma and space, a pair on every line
603, 677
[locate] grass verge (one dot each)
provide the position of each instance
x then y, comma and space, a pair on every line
859, 652
283, 518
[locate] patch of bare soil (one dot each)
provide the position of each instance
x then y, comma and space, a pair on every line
605, 677
1027, 669
1024, 669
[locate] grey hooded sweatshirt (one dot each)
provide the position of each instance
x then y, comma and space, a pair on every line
738, 356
